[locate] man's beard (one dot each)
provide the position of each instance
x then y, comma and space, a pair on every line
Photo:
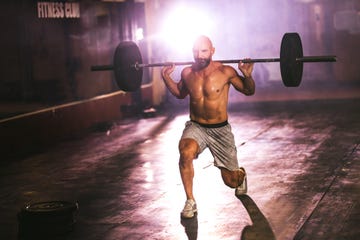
201, 63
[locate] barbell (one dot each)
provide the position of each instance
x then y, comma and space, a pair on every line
128, 64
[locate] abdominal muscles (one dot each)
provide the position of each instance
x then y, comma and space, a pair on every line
208, 111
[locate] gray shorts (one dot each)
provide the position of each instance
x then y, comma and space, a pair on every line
219, 140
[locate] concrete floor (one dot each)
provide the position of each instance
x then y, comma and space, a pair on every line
302, 160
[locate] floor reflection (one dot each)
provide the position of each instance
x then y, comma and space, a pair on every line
260, 229
191, 227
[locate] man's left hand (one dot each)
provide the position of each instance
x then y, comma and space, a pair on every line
246, 68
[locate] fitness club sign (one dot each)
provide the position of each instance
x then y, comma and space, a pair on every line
58, 9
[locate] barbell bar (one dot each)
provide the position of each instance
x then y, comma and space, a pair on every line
328, 58
128, 65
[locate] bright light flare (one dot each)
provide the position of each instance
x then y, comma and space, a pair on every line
181, 27
139, 34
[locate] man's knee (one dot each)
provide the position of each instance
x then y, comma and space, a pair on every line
229, 178
188, 149
187, 154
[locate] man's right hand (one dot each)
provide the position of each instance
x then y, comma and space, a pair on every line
167, 70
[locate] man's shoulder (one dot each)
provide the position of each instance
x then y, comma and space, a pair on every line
227, 69
186, 71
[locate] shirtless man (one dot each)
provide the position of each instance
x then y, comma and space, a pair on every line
207, 83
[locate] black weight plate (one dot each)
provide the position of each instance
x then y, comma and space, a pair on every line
46, 219
51, 207
291, 70
127, 77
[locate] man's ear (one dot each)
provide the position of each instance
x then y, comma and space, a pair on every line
212, 51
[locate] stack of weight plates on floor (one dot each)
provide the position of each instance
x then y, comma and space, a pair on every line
46, 220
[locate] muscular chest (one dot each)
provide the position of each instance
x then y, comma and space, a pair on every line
207, 86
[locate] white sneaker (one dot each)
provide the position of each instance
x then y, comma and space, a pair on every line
189, 209
242, 188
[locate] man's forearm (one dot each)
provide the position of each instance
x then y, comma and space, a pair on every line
249, 85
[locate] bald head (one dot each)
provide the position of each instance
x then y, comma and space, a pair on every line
203, 51
203, 40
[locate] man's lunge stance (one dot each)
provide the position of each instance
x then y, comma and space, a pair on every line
207, 83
